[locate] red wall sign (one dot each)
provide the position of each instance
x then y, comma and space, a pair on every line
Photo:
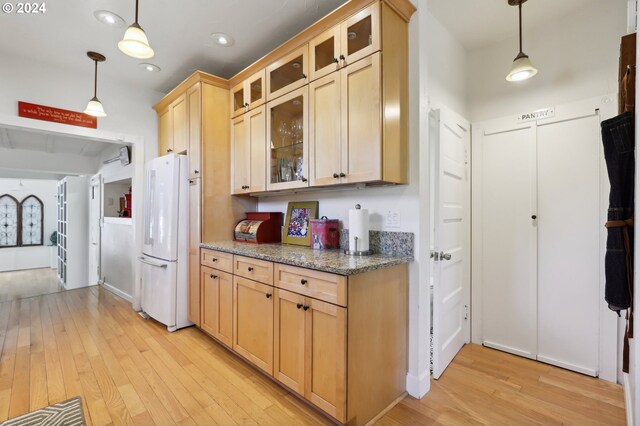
57, 115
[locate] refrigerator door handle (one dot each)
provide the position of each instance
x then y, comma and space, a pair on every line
148, 225
157, 265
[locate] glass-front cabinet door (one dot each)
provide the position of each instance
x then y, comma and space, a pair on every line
360, 35
288, 73
255, 89
287, 141
324, 53
238, 100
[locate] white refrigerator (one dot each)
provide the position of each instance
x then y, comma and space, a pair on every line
165, 255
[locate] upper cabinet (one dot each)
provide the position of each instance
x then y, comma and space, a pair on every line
288, 73
344, 44
173, 131
287, 141
248, 150
248, 94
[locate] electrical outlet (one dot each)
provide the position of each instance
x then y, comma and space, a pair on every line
393, 219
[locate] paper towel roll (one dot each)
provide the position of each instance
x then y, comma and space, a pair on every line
358, 227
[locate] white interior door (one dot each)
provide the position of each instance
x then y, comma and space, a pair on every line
451, 289
508, 240
95, 223
569, 231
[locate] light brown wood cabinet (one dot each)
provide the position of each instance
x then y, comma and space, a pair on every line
253, 322
310, 350
338, 341
288, 73
346, 43
217, 304
173, 129
249, 152
194, 119
248, 94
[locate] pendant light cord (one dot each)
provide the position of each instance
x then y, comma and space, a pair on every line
95, 80
136, 11
519, 23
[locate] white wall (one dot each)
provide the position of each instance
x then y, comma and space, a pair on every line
14, 258
447, 68
577, 58
129, 109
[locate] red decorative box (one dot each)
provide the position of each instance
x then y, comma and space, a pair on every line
325, 233
259, 228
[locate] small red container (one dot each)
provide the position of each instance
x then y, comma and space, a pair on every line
325, 233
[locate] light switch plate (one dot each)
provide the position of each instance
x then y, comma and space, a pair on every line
393, 219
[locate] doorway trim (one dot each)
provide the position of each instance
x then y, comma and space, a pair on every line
138, 145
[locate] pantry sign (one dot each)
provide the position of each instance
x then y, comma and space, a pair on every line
537, 115
56, 115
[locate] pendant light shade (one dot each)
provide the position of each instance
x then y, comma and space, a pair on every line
94, 107
522, 68
135, 42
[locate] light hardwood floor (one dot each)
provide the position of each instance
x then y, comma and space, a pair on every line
89, 342
28, 283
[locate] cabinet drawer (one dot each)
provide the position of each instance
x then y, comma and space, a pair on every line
255, 269
319, 285
217, 259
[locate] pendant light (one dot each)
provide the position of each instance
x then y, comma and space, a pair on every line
94, 107
522, 68
135, 42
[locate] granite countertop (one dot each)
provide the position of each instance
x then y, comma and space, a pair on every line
334, 261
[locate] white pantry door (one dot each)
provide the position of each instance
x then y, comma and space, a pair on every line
451, 289
95, 222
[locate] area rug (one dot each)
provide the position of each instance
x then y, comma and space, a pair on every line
67, 413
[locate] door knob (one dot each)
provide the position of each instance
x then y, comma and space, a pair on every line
213, 276
268, 295
533, 216
343, 175
336, 176
250, 269
299, 305
445, 256
305, 307
303, 281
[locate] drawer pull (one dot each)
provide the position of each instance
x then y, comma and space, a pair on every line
213, 259
303, 281
268, 295
250, 269
299, 305
305, 307
213, 276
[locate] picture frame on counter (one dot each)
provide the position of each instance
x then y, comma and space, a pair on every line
297, 225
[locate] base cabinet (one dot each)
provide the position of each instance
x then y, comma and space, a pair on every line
338, 341
217, 304
253, 322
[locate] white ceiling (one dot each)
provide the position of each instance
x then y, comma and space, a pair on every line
479, 23
178, 30
52, 144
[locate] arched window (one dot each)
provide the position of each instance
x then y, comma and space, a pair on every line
31, 209
9, 221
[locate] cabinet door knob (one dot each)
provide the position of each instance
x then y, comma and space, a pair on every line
343, 175
213, 276
196, 172
303, 281
268, 295
299, 305
533, 216
336, 176
246, 105
305, 307
250, 269
335, 60
213, 259
304, 179
303, 76
342, 58
169, 150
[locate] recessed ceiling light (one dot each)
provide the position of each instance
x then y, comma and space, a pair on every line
109, 18
149, 67
222, 39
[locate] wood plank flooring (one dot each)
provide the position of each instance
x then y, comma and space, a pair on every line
127, 370
28, 283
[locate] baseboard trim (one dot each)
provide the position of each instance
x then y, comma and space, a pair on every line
628, 399
418, 386
116, 291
